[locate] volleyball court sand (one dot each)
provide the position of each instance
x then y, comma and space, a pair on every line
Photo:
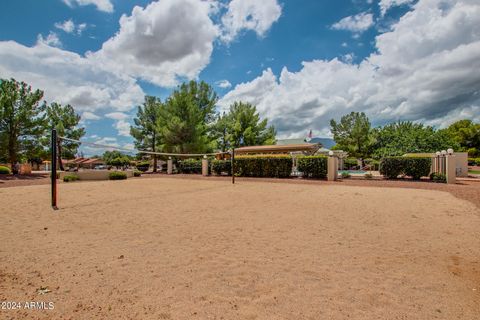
201, 249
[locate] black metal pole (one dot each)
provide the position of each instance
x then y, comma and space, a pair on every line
232, 159
54, 169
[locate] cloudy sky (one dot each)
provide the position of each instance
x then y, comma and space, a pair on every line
302, 62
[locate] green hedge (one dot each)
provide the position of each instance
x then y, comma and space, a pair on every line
137, 173
116, 175
4, 170
268, 166
189, 166
221, 166
415, 167
143, 166
69, 178
313, 166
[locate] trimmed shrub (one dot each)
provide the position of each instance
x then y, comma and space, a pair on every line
415, 167
269, 166
69, 178
391, 167
137, 173
477, 161
189, 166
346, 175
312, 166
143, 166
368, 176
4, 170
221, 166
438, 177
117, 175
472, 161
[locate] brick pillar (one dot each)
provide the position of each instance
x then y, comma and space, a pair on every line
450, 168
204, 166
169, 165
332, 168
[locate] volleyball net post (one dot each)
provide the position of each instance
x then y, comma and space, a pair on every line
53, 174
232, 159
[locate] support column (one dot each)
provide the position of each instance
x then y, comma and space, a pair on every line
169, 165
450, 169
332, 168
205, 166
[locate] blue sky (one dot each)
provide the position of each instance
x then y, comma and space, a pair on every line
301, 62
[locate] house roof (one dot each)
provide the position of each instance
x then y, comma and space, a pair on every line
92, 161
311, 147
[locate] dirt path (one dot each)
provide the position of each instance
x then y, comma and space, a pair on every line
205, 249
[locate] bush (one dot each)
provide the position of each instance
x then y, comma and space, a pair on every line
143, 166
221, 166
69, 178
472, 161
313, 166
391, 167
4, 170
271, 166
415, 167
190, 166
477, 161
116, 175
438, 177
137, 173
345, 175
350, 163
368, 176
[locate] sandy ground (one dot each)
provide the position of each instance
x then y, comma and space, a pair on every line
206, 249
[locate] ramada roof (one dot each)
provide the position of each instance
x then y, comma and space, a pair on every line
309, 147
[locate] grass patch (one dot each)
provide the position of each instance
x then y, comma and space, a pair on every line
474, 171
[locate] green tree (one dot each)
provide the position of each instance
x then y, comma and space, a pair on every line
65, 121
245, 128
398, 138
353, 134
221, 132
186, 121
146, 132
21, 118
466, 133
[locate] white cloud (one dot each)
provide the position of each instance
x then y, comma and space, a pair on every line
89, 116
51, 40
357, 23
67, 77
102, 5
249, 15
68, 26
117, 115
385, 5
223, 84
123, 127
426, 69
161, 42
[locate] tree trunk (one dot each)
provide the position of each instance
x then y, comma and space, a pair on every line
12, 154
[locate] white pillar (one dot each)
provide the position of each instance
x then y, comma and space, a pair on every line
169, 165
332, 168
204, 166
450, 168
